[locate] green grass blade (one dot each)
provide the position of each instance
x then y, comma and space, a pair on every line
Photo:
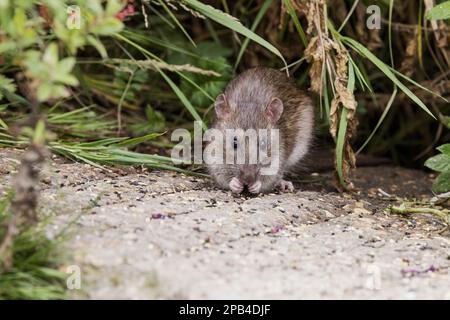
361, 78
419, 85
169, 81
233, 24
255, 24
135, 141
342, 131
3, 124
387, 71
340, 146
298, 26
391, 9
380, 121
172, 16
183, 99
355, 3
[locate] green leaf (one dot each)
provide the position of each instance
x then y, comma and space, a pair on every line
44, 92
446, 121
342, 131
66, 65
439, 163
95, 7
298, 26
3, 125
442, 183
233, 24
135, 141
48, 90
51, 54
439, 12
202, 89
113, 7
6, 84
418, 85
7, 46
97, 44
445, 149
19, 20
15, 98
172, 85
67, 79
107, 26
39, 132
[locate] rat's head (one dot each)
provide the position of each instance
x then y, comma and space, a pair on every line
251, 148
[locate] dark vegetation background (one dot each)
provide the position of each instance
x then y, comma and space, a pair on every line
140, 67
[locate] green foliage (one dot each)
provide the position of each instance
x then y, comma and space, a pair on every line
440, 12
233, 24
34, 274
25, 28
386, 70
121, 77
441, 164
208, 56
7, 85
113, 151
340, 141
155, 122
52, 74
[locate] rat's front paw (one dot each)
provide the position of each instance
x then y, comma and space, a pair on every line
285, 186
236, 185
255, 187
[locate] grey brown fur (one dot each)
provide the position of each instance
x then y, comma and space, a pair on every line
247, 103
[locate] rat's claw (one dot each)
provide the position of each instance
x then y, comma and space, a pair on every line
236, 185
285, 186
255, 187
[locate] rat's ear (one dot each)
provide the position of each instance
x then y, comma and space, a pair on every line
274, 110
222, 107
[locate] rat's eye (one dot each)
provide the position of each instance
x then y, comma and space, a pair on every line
235, 142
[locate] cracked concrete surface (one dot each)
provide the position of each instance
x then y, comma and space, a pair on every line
150, 234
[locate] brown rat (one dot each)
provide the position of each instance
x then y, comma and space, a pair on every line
262, 98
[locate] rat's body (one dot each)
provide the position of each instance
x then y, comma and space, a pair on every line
263, 98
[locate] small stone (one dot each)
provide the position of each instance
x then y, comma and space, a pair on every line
158, 216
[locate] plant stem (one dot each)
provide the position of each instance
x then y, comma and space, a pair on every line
443, 214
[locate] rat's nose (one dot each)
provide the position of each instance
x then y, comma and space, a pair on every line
249, 174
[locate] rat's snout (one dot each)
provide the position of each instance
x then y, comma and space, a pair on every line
248, 177
248, 174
